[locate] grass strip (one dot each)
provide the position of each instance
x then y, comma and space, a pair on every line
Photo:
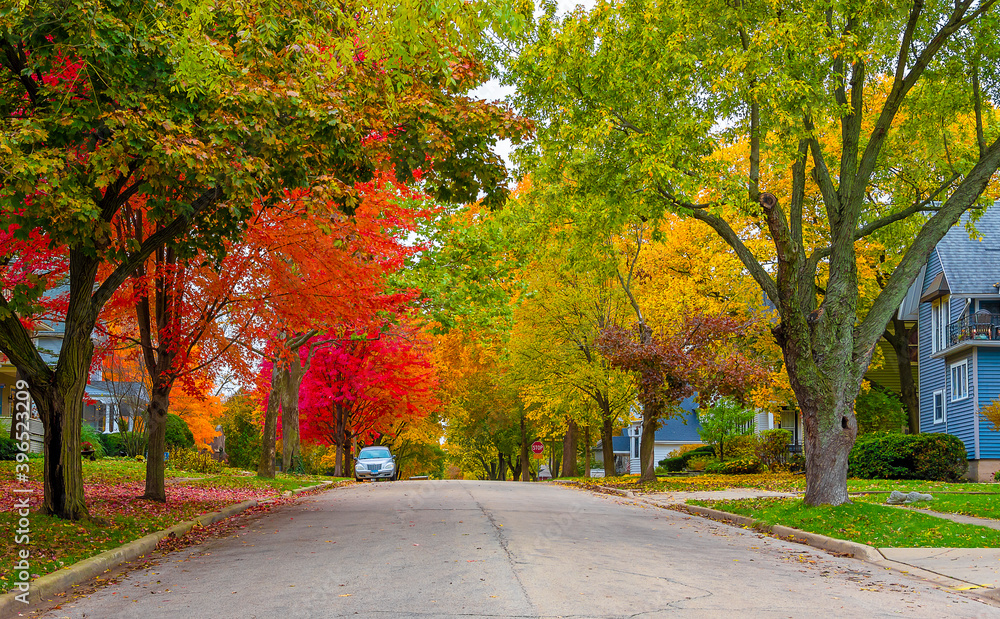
866, 523
977, 505
112, 487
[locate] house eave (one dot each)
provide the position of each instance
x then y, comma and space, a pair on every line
964, 346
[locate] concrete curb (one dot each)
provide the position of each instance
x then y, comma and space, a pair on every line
853, 549
62, 580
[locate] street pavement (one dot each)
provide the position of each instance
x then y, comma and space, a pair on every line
506, 549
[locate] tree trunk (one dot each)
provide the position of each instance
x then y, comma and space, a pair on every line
60, 406
586, 452
569, 450
900, 341
268, 447
340, 437
650, 424
825, 394
156, 444
526, 464
63, 468
291, 446
608, 447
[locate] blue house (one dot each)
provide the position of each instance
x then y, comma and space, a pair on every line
959, 340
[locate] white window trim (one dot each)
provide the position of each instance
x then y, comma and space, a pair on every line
940, 318
944, 410
964, 384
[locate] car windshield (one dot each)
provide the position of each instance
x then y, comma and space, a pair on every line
374, 453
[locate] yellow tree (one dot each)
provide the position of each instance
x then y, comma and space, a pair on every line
553, 359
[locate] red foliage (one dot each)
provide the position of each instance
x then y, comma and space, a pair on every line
374, 382
703, 356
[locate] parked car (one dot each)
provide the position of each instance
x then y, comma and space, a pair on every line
375, 463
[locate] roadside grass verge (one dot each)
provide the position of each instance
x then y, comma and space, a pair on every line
112, 487
778, 482
866, 523
978, 505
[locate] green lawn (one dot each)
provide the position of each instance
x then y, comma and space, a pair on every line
112, 486
978, 505
867, 523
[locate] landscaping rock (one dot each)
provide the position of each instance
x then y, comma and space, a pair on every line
904, 498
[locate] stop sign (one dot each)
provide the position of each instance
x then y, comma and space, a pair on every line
537, 447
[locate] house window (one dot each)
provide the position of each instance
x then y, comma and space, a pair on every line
939, 406
940, 317
960, 380
635, 447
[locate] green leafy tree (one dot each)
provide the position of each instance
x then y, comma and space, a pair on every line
723, 421
879, 410
642, 104
241, 427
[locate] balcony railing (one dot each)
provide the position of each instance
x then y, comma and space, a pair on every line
982, 325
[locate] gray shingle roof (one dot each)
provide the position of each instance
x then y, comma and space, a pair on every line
972, 266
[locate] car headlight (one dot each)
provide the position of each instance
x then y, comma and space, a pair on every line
360, 467
387, 465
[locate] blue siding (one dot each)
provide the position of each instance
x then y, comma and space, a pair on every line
932, 371
960, 417
989, 390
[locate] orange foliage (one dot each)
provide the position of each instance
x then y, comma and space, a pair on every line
200, 411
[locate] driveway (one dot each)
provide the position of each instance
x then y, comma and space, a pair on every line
505, 549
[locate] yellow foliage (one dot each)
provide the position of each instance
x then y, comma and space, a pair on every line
683, 449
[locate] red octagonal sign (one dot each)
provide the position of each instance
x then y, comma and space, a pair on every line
537, 447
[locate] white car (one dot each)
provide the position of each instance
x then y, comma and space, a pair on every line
375, 463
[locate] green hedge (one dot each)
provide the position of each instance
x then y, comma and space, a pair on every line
934, 457
178, 433
9, 448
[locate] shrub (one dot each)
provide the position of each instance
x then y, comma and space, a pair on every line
131, 444
700, 462
743, 466
178, 432
89, 435
715, 467
673, 465
111, 444
191, 460
796, 463
9, 448
741, 447
939, 457
772, 447
933, 457
678, 463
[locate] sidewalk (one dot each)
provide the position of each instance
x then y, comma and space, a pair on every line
962, 569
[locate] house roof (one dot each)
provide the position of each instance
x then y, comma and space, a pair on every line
972, 266
108, 391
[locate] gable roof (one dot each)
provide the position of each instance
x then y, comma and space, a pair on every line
972, 266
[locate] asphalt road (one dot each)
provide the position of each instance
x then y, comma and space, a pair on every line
504, 549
